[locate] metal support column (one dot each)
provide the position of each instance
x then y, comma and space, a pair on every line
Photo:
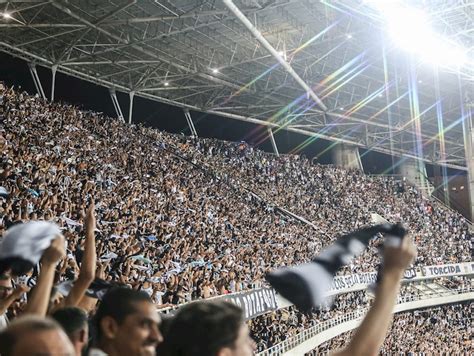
469, 149
272, 140
115, 101
54, 68
130, 110
36, 80
189, 119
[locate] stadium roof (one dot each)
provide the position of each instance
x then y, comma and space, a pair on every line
331, 70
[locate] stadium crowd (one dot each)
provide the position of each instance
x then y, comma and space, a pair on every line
180, 218
196, 231
445, 330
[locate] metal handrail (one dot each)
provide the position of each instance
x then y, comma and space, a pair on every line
307, 334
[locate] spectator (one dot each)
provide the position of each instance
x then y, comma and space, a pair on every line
8, 295
34, 335
126, 323
74, 322
208, 328
88, 263
370, 334
38, 302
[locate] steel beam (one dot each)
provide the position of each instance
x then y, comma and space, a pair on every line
190, 122
140, 49
36, 80
130, 109
116, 104
54, 68
246, 22
272, 140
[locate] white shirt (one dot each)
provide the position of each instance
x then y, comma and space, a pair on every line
3, 322
96, 352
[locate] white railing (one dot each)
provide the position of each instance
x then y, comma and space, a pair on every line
299, 338
309, 333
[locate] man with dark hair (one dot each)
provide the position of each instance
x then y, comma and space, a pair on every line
126, 323
74, 322
208, 328
8, 295
33, 335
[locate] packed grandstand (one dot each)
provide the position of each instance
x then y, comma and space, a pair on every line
184, 218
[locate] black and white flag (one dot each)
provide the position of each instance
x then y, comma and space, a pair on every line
306, 285
97, 289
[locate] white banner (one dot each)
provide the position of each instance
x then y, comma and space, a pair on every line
453, 269
350, 281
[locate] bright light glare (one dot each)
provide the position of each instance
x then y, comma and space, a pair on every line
349, 36
215, 71
6, 15
410, 29
166, 84
282, 54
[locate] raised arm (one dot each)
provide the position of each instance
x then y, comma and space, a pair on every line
89, 261
371, 333
39, 300
16, 294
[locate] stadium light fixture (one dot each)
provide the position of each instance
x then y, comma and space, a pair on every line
215, 71
410, 29
282, 54
349, 36
166, 84
7, 16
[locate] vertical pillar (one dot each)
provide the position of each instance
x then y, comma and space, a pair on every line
347, 156
441, 183
190, 122
116, 103
414, 171
468, 148
441, 142
130, 110
54, 68
36, 80
272, 140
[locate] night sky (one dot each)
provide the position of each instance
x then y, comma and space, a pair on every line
14, 71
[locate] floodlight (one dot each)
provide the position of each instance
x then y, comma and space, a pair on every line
349, 36
215, 71
166, 84
7, 16
410, 30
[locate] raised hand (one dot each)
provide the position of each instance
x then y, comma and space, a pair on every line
55, 252
90, 220
20, 290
